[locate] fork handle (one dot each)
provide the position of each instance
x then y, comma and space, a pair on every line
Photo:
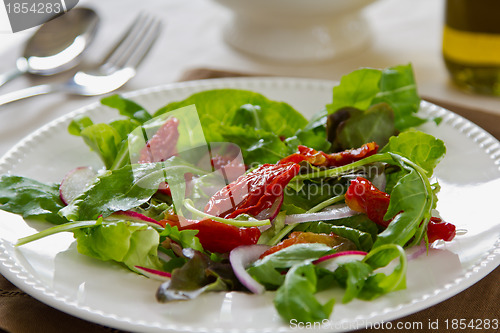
28, 92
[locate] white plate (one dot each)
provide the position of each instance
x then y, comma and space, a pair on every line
52, 271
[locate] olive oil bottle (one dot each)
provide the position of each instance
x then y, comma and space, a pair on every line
471, 44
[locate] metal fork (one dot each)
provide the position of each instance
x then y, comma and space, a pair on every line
118, 67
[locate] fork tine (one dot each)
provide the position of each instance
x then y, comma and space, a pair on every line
123, 40
130, 41
138, 53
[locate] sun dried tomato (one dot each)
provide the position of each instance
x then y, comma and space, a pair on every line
362, 196
219, 237
438, 229
253, 192
319, 158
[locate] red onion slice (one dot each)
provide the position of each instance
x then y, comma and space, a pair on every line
332, 261
240, 258
153, 273
329, 213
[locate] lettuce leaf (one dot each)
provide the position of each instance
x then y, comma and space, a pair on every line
248, 119
313, 135
366, 87
133, 244
421, 148
219, 108
106, 140
358, 127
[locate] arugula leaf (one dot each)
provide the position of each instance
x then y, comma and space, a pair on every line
361, 280
380, 283
295, 298
124, 189
299, 199
127, 108
352, 276
362, 240
412, 201
267, 270
412, 198
30, 198
134, 244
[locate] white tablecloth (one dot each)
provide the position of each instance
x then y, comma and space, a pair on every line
403, 31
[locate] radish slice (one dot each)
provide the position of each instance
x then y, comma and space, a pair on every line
332, 261
329, 213
75, 182
153, 273
240, 258
271, 212
134, 216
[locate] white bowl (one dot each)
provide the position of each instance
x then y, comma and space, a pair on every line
297, 30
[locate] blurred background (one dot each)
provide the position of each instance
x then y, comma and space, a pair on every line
280, 38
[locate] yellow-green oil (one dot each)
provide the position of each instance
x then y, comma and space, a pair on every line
471, 44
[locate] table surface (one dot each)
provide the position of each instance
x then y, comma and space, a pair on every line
403, 31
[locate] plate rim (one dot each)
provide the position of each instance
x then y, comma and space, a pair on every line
31, 285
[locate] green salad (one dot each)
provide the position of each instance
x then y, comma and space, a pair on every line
228, 190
